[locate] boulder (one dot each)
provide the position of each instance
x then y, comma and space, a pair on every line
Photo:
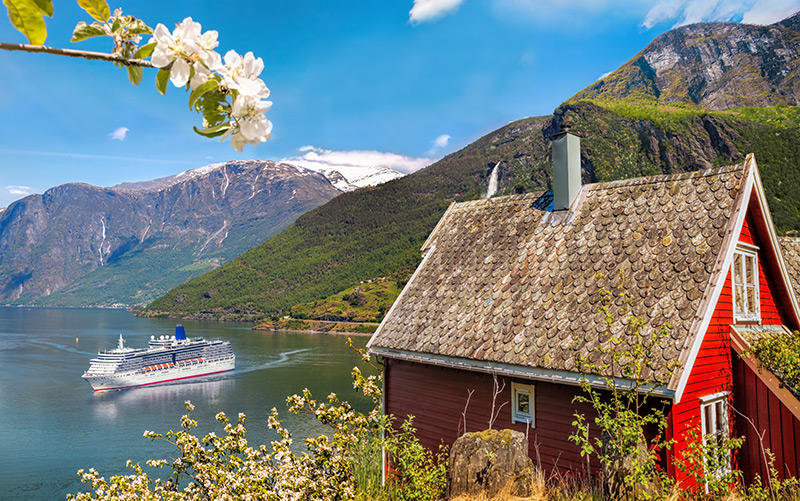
487, 461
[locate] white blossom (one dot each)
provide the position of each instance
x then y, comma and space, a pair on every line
249, 125
241, 73
186, 47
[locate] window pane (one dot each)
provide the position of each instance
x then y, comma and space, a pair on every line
751, 300
738, 274
523, 403
720, 408
751, 270
739, 293
709, 418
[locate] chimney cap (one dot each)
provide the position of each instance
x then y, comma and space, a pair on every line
565, 129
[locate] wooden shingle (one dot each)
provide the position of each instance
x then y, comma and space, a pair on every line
508, 281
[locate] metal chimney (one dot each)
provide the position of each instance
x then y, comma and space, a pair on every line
566, 168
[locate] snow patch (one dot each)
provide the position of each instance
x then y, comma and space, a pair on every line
348, 178
227, 181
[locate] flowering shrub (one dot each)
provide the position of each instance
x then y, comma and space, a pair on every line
230, 95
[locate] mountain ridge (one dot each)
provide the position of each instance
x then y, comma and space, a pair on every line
631, 133
54, 247
718, 66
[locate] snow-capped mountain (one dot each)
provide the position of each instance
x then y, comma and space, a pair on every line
350, 178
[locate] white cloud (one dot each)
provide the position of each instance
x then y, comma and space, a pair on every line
120, 133
679, 12
18, 190
698, 11
770, 11
316, 158
604, 75
441, 141
428, 10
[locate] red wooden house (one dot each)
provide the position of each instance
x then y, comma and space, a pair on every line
508, 285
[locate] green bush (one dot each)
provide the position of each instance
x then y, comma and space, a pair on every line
780, 354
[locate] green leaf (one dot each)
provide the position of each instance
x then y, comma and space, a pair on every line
135, 74
26, 16
115, 25
139, 28
83, 31
215, 131
45, 7
201, 90
98, 9
162, 78
145, 51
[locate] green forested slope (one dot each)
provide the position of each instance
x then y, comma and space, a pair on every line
357, 236
376, 231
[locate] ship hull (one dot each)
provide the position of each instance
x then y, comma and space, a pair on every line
133, 379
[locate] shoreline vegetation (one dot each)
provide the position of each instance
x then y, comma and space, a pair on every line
357, 310
318, 326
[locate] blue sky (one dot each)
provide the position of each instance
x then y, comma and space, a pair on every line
372, 79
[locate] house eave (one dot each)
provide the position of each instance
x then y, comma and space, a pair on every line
531, 373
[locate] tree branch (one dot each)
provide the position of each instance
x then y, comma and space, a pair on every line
85, 54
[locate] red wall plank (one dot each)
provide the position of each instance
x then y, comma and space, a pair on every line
436, 396
764, 416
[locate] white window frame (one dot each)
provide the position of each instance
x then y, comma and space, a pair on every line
718, 406
518, 416
749, 256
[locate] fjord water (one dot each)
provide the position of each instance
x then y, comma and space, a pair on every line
52, 423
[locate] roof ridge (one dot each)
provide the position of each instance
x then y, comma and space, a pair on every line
656, 179
664, 178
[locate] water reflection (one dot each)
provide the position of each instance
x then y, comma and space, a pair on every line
110, 404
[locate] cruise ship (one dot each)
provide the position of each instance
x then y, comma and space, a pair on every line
166, 359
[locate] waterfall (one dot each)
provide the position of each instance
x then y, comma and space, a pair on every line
492, 188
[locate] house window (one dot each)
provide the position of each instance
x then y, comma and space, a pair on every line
745, 285
714, 422
523, 404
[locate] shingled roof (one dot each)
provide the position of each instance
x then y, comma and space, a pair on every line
790, 248
508, 281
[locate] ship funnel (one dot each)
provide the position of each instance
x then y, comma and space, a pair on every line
180, 333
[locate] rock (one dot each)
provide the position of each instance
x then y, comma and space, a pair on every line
486, 461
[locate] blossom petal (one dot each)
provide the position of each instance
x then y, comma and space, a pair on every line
255, 88
180, 72
162, 56
232, 58
162, 35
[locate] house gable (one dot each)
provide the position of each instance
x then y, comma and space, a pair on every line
715, 368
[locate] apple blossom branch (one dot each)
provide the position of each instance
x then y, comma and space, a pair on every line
85, 54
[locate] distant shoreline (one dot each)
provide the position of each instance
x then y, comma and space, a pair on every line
310, 331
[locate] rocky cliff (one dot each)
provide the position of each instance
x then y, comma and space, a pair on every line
82, 245
718, 66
